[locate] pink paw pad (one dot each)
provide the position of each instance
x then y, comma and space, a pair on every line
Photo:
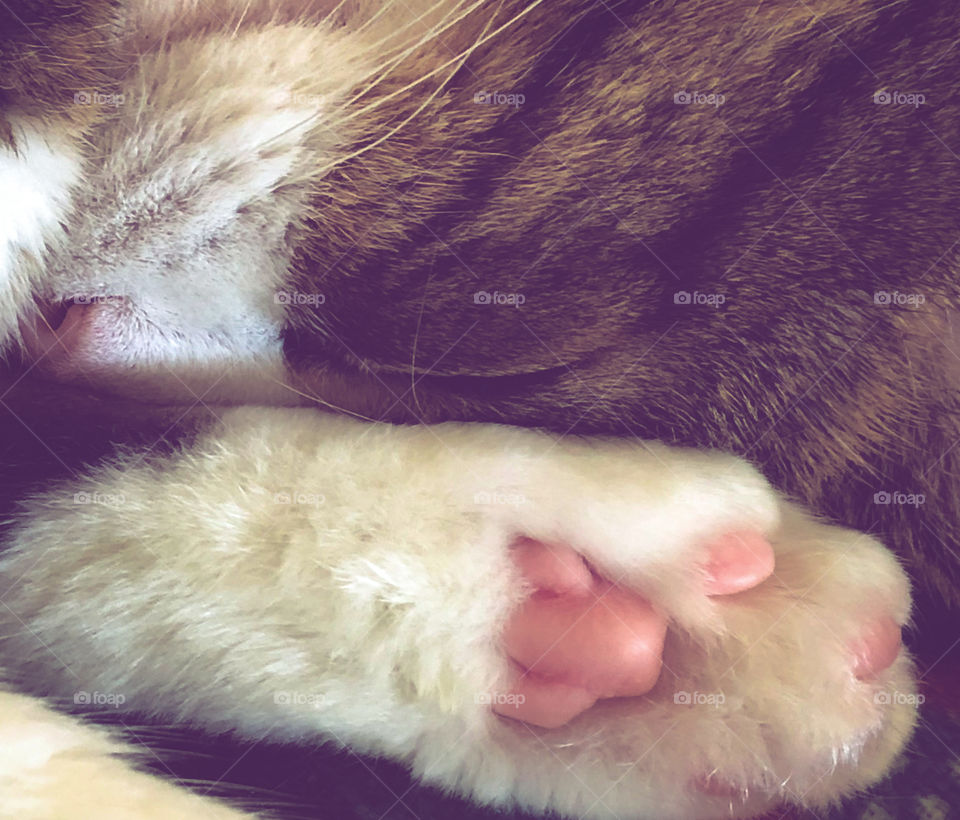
579, 637
877, 648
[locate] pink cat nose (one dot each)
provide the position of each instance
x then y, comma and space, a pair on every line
877, 647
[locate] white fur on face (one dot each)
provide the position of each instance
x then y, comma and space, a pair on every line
36, 178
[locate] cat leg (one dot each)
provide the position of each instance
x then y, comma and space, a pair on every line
299, 576
54, 767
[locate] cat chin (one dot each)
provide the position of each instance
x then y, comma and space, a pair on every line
89, 341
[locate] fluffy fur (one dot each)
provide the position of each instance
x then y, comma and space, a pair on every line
289, 201
296, 576
53, 767
37, 173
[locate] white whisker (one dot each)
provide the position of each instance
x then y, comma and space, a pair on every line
392, 62
457, 61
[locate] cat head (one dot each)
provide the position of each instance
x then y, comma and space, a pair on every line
156, 213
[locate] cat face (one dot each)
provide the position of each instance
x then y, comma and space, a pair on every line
180, 235
165, 249
276, 203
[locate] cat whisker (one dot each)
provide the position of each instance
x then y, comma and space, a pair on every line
317, 115
458, 62
330, 15
392, 61
413, 357
242, 17
323, 402
376, 15
395, 60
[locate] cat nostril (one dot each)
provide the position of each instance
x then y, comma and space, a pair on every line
876, 648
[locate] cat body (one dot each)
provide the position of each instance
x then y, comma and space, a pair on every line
713, 226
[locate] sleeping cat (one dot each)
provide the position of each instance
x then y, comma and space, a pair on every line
724, 227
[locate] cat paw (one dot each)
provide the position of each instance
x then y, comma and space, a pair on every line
579, 637
802, 696
598, 629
